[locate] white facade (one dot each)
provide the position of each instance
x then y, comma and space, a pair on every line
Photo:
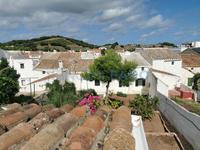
25, 67
196, 44
162, 83
80, 83
186, 76
170, 66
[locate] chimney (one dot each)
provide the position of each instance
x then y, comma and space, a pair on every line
60, 64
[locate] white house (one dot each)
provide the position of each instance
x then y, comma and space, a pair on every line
72, 64
194, 44
166, 69
23, 63
191, 65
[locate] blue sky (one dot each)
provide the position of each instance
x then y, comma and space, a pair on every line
102, 21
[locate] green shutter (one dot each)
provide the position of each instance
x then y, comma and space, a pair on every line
189, 81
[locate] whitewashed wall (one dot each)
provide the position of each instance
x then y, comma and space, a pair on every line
101, 89
27, 74
194, 69
166, 65
80, 83
186, 123
185, 75
162, 87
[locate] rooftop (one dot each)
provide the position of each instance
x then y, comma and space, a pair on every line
151, 54
34, 127
71, 61
190, 58
135, 57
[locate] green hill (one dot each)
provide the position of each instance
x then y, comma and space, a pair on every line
47, 43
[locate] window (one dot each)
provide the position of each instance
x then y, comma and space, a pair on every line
140, 82
97, 83
142, 68
22, 82
120, 83
172, 62
189, 82
22, 66
43, 72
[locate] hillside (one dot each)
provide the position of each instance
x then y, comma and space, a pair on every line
47, 43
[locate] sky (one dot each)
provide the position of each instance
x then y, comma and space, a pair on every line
102, 21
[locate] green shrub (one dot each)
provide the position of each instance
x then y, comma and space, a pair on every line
144, 106
114, 103
60, 95
121, 94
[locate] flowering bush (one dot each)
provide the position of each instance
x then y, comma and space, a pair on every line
92, 101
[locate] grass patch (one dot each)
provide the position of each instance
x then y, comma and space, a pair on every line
190, 106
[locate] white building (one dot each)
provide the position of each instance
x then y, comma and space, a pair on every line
166, 69
73, 64
23, 63
194, 44
191, 65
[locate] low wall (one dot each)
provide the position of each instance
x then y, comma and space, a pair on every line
187, 123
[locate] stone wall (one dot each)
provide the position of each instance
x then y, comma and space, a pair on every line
187, 123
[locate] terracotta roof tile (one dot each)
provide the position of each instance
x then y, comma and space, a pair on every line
13, 119
190, 60
66, 108
121, 119
79, 111
119, 139
50, 135
71, 61
17, 134
94, 122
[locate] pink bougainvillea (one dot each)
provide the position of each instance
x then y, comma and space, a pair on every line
91, 101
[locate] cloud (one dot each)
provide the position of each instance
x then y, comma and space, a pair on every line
156, 21
114, 27
72, 17
152, 33
114, 13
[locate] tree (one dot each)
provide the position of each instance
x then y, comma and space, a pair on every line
61, 94
196, 86
196, 82
109, 67
9, 85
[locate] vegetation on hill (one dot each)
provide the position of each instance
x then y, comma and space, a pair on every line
167, 44
46, 43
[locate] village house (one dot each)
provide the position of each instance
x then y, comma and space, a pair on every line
69, 65
165, 73
23, 62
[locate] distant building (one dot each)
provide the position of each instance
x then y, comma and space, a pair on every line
195, 44
191, 65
